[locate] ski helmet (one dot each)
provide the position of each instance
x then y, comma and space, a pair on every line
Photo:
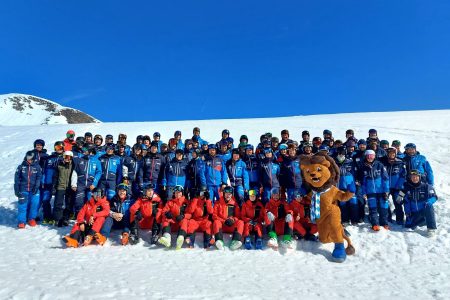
39, 142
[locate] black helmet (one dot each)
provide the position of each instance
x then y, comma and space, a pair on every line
305, 132
40, 142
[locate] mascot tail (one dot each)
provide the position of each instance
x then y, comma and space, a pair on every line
350, 250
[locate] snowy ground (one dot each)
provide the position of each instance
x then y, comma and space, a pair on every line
400, 264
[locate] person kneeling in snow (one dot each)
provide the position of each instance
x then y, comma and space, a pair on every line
146, 213
254, 216
90, 220
119, 215
226, 218
175, 218
281, 221
418, 198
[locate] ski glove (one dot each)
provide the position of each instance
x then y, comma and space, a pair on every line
180, 217
288, 218
168, 215
270, 216
229, 222
399, 199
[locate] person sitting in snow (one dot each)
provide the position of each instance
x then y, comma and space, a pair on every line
254, 216
90, 220
281, 221
146, 212
201, 210
303, 227
418, 198
226, 218
119, 215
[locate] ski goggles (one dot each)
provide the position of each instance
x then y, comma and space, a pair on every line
97, 194
178, 188
70, 135
59, 147
415, 172
252, 193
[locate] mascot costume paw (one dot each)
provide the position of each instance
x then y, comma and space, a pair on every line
322, 175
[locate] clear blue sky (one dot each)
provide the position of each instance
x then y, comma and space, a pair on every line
176, 60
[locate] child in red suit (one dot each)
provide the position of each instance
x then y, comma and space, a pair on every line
281, 221
90, 220
146, 213
175, 217
303, 228
201, 211
226, 218
254, 215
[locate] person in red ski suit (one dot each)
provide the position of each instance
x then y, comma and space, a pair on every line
175, 218
89, 222
303, 228
146, 212
254, 215
281, 221
201, 210
226, 218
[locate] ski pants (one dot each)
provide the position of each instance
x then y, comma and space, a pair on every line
349, 210
28, 206
378, 209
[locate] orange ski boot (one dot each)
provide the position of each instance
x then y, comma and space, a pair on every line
376, 228
88, 240
32, 223
21, 226
124, 239
100, 238
70, 242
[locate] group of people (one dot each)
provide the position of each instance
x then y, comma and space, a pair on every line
190, 186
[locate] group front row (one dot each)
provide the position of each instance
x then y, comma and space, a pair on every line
185, 218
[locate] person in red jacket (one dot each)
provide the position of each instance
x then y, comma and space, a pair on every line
303, 228
69, 142
253, 214
226, 218
201, 210
175, 218
146, 213
281, 221
90, 220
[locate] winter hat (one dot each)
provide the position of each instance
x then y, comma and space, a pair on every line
243, 137
410, 145
154, 144
362, 142
283, 147
68, 153
29, 155
369, 152
39, 142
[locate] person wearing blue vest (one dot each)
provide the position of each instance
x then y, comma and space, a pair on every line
349, 209
291, 174
397, 175
111, 171
375, 189
418, 198
175, 173
238, 175
85, 176
416, 161
119, 214
27, 180
215, 173
47, 182
269, 175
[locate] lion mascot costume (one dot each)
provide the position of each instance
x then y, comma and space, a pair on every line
321, 175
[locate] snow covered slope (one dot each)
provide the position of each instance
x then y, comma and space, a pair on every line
19, 109
395, 264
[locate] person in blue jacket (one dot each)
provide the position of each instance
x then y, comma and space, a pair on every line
196, 180
196, 135
416, 161
291, 174
269, 175
375, 190
177, 137
40, 154
85, 176
418, 198
119, 214
397, 175
215, 173
396, 144
175, 173
349, 209
26, 188
224, 152
252, 164
151, 170
111, 172
47, 182
157, 139
238, 175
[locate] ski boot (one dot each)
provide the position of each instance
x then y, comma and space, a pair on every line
248, 243
219, 244
287, 242
125, 238
273, 242
180, 241
70, 242
88, 240
100, 238
235, 244
259, 244
165, 240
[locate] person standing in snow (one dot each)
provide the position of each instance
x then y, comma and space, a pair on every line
238, 175
69, 142
416, 161
27, 181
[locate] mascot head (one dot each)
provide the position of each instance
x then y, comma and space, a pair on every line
319, 171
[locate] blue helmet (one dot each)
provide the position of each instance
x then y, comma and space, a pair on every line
410, 145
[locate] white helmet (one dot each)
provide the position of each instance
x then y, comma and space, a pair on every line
68, 153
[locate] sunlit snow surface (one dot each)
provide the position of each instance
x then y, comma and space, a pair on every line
399, 264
